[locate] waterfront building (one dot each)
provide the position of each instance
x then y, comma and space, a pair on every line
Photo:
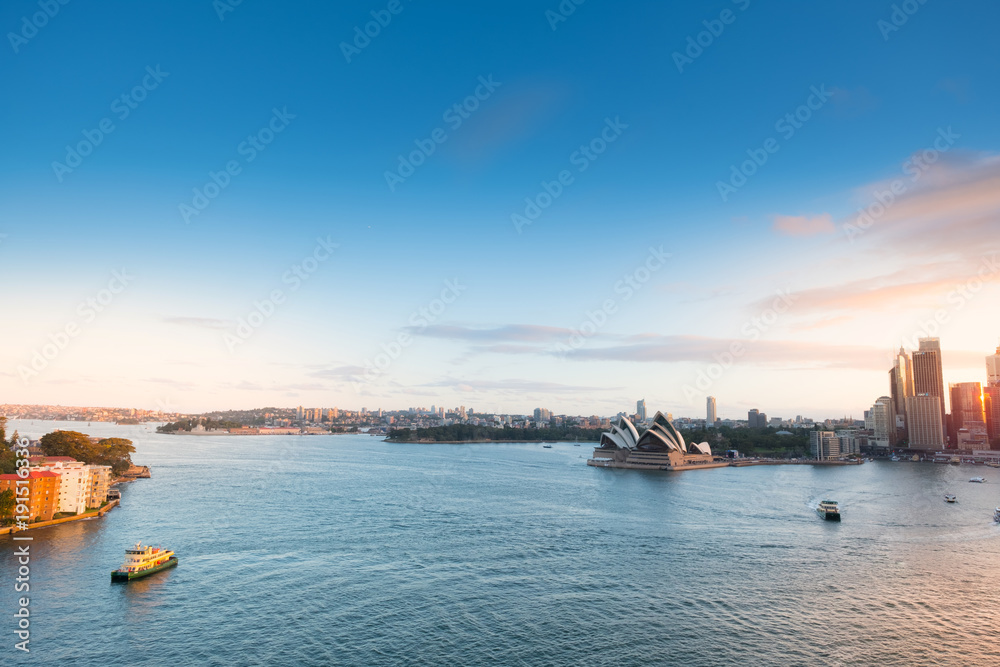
43, 492
991, 407
966, 408
74, 481
993, 369
98, 483
661, 447
884, 422
927, 374
710, 416
825, 445
926, 424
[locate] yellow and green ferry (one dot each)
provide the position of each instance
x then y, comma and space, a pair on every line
143, 561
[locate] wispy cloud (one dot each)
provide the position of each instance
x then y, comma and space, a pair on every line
800, 225
523, 333
203, 322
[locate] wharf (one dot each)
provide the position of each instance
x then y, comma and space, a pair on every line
10, 530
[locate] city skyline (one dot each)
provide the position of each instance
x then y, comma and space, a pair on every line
214, 224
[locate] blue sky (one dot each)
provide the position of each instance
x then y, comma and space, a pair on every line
888, 94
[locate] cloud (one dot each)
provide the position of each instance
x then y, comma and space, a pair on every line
802, 226
782, 354
203, 322
513, 386
520, 333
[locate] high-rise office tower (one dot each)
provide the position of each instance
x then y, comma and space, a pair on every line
640, 409
991, 406
927, 376
753, 417
926, 425
901, 384
966, 408
824, 444
884, 420
993, 369
710, 414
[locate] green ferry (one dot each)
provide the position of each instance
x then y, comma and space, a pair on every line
143, 561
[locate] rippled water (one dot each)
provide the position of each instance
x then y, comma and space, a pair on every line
347, 550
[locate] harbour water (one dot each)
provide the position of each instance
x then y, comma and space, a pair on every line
350, 551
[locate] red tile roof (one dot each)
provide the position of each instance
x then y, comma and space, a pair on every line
34, 474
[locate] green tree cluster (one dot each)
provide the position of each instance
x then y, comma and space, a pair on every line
188, 424
8, 459
114, 452
753, 441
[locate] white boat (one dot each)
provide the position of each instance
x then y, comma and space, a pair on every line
828, 510
894, 458
996, 515
978, 480
950, 498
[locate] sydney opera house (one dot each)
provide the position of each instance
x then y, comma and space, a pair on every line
660, 447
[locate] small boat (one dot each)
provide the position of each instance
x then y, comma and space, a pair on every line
547, 446
993, 464
143, 561
828, 510
978, 480
954, 460
950, 498
996, 515
894, 458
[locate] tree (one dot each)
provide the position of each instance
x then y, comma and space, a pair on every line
7, 504
67, 443
114, 452
117, 453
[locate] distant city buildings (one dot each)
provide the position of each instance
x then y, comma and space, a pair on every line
640, 409
710, 415
966, 409
756, 419
993, 369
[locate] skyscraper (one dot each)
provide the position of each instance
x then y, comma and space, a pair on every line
884, 421
752, 418
991, 406
966, 408
993, 369
640, 409
710, 415
901, 386
927, 376
926, 425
